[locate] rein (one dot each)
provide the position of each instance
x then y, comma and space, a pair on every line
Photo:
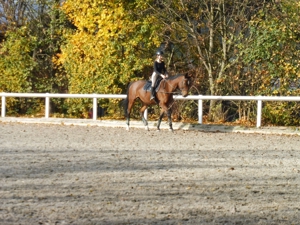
172, 86
166, 82
164, 87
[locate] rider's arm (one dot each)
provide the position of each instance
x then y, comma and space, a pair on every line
165, 71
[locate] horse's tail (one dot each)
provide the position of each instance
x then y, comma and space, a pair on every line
126, 100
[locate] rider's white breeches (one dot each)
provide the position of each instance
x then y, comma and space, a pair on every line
153, 78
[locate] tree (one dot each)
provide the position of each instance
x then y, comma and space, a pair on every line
273, 54
12, 12
32, 38
207, 33
16, 69
109, 47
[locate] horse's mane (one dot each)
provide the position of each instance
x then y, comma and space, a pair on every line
175, 76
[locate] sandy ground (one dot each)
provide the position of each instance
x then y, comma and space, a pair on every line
56, 174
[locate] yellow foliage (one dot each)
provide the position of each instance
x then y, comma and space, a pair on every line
108, 47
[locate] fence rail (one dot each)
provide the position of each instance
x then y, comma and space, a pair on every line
95, 97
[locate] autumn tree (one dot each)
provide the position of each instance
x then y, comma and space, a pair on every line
206, 33
272, 53
12, 14
32, 38
110, 46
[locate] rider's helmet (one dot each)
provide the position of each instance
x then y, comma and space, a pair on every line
159, 53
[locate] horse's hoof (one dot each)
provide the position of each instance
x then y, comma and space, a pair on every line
158, 130
127, 128
171, 130
147, 128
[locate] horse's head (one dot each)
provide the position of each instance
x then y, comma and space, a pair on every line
185, 84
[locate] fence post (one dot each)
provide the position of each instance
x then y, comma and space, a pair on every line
95, 108
259, 109
47, 106
3, 109
200, 110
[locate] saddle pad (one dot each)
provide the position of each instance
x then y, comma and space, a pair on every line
147, 86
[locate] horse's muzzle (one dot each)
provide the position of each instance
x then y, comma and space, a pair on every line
184, 93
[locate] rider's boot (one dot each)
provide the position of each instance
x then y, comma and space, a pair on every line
152, 93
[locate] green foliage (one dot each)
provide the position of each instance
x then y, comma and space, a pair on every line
98, 46
272, 58
16, 66
273, 53
16, 63
281, 113
26, 56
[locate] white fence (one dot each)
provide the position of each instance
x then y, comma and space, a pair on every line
200, 99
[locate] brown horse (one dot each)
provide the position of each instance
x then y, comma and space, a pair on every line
164, 97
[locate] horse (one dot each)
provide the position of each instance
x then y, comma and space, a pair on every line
163, 97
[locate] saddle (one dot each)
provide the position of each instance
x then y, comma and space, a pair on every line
147, 86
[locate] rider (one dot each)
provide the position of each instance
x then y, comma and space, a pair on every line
159, 70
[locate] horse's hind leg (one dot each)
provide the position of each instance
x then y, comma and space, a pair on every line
127, 121
142, 110
129, 106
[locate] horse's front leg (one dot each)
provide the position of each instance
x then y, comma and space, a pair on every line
163, 110
142, 110
169, 113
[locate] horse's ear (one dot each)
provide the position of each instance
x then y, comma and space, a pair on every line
187, 75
